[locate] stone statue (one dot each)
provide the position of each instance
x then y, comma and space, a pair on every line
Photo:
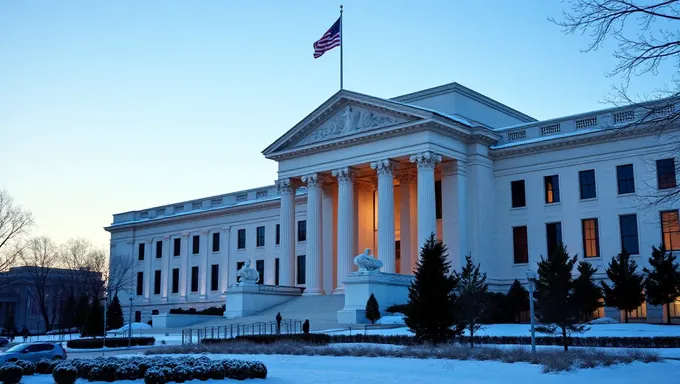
247, 275
367, 263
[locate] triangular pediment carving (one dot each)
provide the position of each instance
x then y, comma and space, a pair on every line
350, 120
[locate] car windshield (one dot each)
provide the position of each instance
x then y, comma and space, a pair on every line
18, 348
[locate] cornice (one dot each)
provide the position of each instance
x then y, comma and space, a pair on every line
273, 203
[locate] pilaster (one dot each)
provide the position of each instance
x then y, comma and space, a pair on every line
203, 265
184, 269
165, 269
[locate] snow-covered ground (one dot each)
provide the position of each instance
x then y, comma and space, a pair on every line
609, 330
361, 370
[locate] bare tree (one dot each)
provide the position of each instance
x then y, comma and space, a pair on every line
14, 224
648, 42
87, 265
120, 273
40, 257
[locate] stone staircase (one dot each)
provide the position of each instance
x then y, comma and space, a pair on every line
320, 310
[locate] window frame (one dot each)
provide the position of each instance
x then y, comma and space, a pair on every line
195, 244
214, 277
558, 237
551, 183
157, 276
175, 280
278, 234
583, 186
140, 283
176, 247
159, 249
524, 259
216, 242
301, 270
627, 181
259, 266
241, 238
669, 245
668, 179
301, 231
195, 277
585, 239
517, 201
277, 266
141, 251
260, 237
624, 236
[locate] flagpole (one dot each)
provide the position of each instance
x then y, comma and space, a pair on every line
341, 41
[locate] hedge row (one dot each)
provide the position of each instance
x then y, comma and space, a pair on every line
622, 342
111, 342
212, 311
155, 370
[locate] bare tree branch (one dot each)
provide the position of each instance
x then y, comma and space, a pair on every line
14, 224
40, 257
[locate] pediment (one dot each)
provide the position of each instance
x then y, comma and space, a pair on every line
350, 120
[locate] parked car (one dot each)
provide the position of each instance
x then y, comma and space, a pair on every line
33, 352
3, 341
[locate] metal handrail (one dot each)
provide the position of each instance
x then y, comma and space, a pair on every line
196, 335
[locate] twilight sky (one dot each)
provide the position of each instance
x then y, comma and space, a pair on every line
114, 106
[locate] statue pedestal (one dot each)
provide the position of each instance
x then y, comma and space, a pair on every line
246, 300
388, 289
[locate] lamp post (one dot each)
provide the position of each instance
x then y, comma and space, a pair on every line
106, 302
531, 277
130, 321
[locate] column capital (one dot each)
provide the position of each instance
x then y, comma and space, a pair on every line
383, 167
313, 180
405, 176
185, 235
426, 160
285, 186
166, 237
344, 175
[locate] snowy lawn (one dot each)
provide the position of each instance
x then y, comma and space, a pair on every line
361, 370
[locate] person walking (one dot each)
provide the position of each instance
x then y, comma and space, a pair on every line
305, 326
278, 323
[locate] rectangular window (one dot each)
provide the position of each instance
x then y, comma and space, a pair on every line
140, 283
301, 269
159, 249
259, 265
552, 189
278, 234
138, 316
629, 233
625, 179
591, 239
665, 173
670, 230
194, 279
519, 198
157, 282
176, 244
302, 230
241, 239
239, 265
216, 242
140, 254
195, 244
520, 245
553, 233
260, 236
438, 198
214, 277
587, 184
276, 271
175, 280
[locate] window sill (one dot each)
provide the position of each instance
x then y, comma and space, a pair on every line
520, 264
260, 247
630, 194
597, 258
240, 249
588, 200
555, 204
518, 208
215, 252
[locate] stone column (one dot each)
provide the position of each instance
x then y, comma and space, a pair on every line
184, 269
148, 273
346, 224
406, 179
314, 258
203, 276
286, 190
165, 268
328, 232
454, 212
386, 251
224, 259
427, 215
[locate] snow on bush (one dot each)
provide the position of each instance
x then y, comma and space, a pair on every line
45, 367
11, 373
65, 373
604, 320
398, 318
27, 367
135, 326
157, 375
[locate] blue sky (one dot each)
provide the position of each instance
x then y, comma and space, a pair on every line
114, 106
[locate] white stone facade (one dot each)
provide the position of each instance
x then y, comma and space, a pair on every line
440, 160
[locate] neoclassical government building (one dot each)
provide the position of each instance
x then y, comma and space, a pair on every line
365, 172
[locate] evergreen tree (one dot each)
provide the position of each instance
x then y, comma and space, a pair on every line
662, 282
372, 309
625, 293
555, 301
471, 297
430, 312
80, 313
10, 326
67, 316
587, 295
94, 322
114, 315
517, 300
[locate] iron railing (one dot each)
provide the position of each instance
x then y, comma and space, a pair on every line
195, 335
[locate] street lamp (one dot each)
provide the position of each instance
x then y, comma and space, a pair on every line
531, 277
106, 304
130, 297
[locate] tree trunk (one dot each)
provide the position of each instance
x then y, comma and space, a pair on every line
625, 316
564, 339
472, 337
668, 313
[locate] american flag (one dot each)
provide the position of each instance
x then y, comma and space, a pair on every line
329, 40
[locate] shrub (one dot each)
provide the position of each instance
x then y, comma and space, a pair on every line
160, 375
200, 372
181, 373
113, 342
45, 367
216, 371
11, 373
212, 311
27, 367
309, 338
372, 309
65, 373
127, 371
397, 308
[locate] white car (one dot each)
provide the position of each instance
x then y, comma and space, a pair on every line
33, 352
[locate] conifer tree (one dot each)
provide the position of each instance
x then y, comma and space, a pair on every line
114, 315
470, 297
10, 326
372, 309
94, 322
430, 312
662, 282
625, 294
80, 313
587, 294
517, 300
67, 316
555, 301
